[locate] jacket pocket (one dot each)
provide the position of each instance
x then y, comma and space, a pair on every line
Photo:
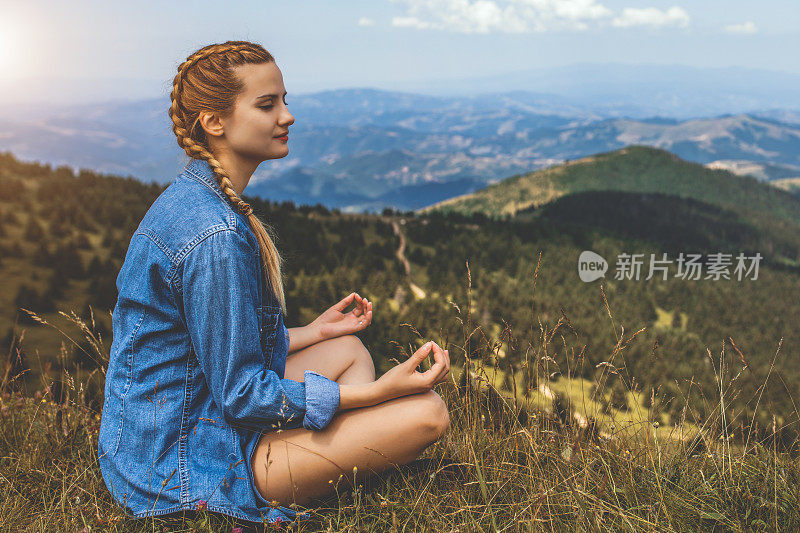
268, 316
129, 361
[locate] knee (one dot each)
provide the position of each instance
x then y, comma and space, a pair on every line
353, 346
439, 416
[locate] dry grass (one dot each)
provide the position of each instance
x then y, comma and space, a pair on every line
512, 461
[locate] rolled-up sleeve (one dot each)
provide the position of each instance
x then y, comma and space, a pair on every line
219, 288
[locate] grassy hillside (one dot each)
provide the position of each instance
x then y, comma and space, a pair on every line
564, 455
632, 169
64, 237
665, 404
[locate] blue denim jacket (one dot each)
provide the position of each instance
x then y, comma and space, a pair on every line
197, 361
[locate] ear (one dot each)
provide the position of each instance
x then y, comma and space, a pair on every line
211, 123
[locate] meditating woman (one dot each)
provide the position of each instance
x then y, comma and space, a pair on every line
210, 401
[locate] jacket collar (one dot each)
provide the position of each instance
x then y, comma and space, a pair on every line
201, 170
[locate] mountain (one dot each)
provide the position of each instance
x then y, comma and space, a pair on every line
639, 90
609, 89
373, 180
704, 140
633, 169
365, 149
763, 171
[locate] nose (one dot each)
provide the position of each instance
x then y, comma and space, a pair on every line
287, 119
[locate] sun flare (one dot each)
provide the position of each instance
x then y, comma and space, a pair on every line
3, 50
10, 65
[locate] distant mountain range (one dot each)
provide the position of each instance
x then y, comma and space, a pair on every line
365, 149
638, 90
610, 89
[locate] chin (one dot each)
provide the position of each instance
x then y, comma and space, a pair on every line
277, 155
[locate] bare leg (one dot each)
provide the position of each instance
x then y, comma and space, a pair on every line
360, 371
342, 357
395, 432
301, 462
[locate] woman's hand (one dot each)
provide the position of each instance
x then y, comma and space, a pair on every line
335, 322
404, 379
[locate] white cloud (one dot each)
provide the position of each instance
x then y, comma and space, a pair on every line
486, 16
553, 14
366, 21
412, 22
748, 28
651, 16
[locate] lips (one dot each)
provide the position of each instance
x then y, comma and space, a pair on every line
282, 135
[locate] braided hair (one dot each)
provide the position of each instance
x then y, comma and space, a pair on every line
206, 82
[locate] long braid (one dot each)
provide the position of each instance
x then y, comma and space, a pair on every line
270, 257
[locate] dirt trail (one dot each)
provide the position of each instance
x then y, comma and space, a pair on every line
416, 289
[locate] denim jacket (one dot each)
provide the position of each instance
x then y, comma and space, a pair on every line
197, 362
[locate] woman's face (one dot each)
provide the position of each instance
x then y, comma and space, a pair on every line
260, 114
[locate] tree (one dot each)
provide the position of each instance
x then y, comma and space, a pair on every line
59, 230
95, 267
419, 255
13, 250
34, 231
81, 242
12, 189
42, 256
67, 259
118, 249
618, 399
108, 238
103, 291
29, 298
58, 282
676, 319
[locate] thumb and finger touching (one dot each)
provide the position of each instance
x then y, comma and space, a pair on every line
441, 362
437, 372
445, 365
347, 300
446, 368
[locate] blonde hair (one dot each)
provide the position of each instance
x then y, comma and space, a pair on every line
206, 82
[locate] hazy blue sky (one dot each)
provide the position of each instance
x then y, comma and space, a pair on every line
321, 45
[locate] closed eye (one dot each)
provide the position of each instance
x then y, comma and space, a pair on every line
270, 106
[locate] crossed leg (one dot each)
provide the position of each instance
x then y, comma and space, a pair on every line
295, 465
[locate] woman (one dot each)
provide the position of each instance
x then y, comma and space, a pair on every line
204, 405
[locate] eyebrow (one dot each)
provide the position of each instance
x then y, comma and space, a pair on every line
269, 96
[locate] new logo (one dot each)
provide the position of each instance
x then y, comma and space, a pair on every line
591, 266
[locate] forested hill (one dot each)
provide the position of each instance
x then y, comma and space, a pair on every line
632, 169
63, 238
